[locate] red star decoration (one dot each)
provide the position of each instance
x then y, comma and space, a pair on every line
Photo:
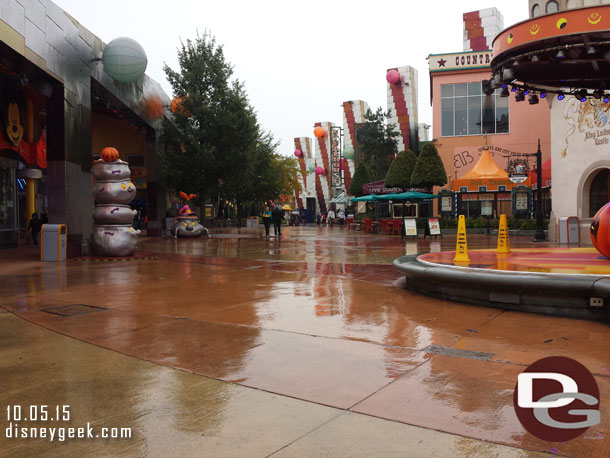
441, 63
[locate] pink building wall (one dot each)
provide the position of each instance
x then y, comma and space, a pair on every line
527, 124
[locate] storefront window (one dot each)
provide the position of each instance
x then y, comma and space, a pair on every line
7, 199
552, 7
465, 110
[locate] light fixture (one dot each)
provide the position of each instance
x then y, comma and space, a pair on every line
487, 87
581, 95
505, 92
561, 95
533, 99
543, 94
591, 50
514, 89
526, 91
535, 58
519, 96
508, 75
597, 94
561, 54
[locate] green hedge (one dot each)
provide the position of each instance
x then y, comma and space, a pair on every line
481, 223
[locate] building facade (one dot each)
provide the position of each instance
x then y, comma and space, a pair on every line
57, 92
465, 118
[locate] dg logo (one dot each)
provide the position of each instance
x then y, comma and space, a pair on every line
556, 399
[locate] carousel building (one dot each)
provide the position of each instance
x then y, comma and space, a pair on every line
563, 53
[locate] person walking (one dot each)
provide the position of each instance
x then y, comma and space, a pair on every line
331, 217
267, 220
35, 226
341, 216
276, 216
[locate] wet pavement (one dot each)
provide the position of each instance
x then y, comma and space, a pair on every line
307, 346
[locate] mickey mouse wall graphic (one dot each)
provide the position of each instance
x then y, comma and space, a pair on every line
14, 129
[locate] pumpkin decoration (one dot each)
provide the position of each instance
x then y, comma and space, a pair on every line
600, 230
110, 154
153, 107
177, 107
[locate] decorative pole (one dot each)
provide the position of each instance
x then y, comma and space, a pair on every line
539, 237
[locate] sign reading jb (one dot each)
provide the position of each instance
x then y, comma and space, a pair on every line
556, 399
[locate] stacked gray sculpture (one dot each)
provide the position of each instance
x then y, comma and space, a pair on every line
113, 234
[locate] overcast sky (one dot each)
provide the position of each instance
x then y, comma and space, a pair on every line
299, 60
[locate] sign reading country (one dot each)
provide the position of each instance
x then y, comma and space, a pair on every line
459, 61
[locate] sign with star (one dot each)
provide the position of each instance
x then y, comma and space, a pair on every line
459, 61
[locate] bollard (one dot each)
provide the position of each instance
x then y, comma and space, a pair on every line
503, 240
461, 246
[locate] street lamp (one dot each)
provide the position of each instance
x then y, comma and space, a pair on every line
539, 237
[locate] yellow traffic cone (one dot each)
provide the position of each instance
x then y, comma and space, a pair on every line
503, 240
461, 246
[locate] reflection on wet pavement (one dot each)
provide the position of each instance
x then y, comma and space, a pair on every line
318, 316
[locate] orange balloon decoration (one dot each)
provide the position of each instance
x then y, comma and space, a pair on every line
319, 132
176, 107
154, 107
600, 230
110, 154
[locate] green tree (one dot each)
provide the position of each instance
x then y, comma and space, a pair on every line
272, 175
210, 142
429, 170
377, 142
401, 169
361, 177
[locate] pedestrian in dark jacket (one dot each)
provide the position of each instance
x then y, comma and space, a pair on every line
35, 226
276, 216
267, 220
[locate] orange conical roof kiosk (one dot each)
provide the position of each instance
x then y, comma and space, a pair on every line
485, 173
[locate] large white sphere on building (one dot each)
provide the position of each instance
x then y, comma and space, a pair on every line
124, 60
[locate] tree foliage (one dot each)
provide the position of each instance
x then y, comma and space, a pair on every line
377, 142
429, 170
214, 145
361, 177
401, 169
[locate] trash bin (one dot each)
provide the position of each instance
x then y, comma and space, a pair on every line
569, 230
53, 242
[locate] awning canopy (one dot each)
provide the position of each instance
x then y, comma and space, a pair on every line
369, 198
409, 195
340, 198
486, 167
485, 173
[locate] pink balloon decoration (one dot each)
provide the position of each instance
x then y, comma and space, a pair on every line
298, 153
393, 77
319, 170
